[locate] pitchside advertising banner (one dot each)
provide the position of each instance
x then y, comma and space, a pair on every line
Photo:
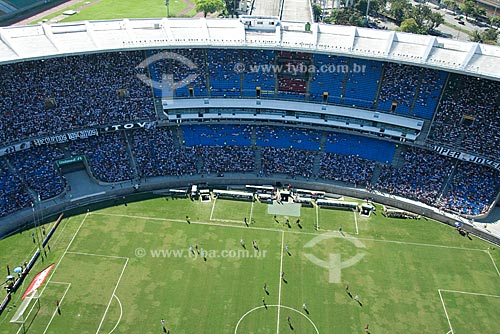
65, 137
38, 281
466, 157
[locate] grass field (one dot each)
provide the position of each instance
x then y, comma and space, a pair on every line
118, 9
124, 268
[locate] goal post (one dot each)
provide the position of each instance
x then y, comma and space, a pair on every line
27, 312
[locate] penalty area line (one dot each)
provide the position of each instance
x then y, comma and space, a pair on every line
445, 312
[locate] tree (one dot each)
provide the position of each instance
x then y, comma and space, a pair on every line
345, 16
489, 36
409, 25
209, 6
317, 12
476, 36
451, 4
495, 21
425, 19
360, 5
398, 9
468, 7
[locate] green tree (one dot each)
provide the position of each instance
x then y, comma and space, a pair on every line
468, 7
490, 35
495, 21
451, 4
361, 6
209, 6
409, 25
345, 16
425, 19
317, 12
398, 9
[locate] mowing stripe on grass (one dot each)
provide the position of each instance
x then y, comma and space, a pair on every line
470, 293
281, 279
493, 261
65, 251
295, 232
445, 312
356, 222
60, 303
213, 208
112, 296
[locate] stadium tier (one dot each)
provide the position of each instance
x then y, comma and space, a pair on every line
108, 109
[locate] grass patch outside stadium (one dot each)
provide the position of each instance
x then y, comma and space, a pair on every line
119, 9
124, 268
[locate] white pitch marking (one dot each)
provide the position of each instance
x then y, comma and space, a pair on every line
60, 302
281, 279
112, 295
445, 312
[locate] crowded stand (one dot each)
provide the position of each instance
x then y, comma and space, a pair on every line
14, 194
399, 85
222, 159
363, 147
108, 156
415, 90
421, 177
472, 190
362, 81
288, 161
346, 168
468, 116
170, 62
288, 137
37, 168
156, 155
217, 134
56, 95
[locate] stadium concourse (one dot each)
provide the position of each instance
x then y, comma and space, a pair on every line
94, 109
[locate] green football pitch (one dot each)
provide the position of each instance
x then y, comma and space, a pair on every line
124, 268
119, 9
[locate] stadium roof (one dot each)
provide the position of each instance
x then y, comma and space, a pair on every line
18, 43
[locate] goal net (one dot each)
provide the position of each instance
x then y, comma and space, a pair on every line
27, 312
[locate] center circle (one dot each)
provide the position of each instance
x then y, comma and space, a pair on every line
281, 307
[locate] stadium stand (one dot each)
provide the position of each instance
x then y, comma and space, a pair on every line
472, 190
156, 155
108, 157
258, 73
222, 159
468, 117
346, 168
14, 194
71, 92
288, 137
217, 135
224, 80
329, 76
38, 169
168, 63
364, 147
362, 83
421, 177
287, 161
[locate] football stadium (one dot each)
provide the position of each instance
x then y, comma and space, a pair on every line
250, 175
